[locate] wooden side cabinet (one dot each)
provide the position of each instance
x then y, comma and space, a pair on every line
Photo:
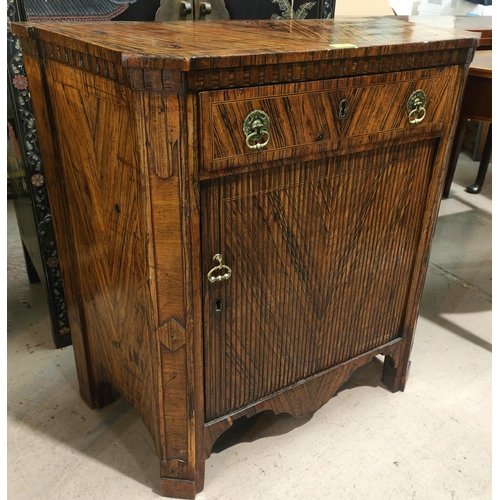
245, 208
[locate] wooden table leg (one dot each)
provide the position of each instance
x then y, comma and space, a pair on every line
476, 187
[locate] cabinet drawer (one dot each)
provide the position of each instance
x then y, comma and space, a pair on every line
306, 118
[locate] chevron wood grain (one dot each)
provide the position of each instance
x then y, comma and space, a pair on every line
320, 259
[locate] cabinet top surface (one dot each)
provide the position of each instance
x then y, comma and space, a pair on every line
189, 45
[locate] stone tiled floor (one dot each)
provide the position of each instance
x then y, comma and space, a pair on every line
432, 442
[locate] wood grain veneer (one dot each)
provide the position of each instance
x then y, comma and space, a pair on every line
327, 229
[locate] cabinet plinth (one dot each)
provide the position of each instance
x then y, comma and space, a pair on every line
244, 209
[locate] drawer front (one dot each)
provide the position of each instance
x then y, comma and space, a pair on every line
317, 116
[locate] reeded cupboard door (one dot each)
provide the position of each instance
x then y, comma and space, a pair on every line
321, 256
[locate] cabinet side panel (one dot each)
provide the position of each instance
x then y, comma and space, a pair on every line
104, 224
59, 203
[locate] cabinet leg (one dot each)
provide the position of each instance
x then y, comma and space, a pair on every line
179, 488
105, 394
395, 374
175, 487
181, 439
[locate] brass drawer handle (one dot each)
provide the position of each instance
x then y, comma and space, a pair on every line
220, 267
256, 127
416, 107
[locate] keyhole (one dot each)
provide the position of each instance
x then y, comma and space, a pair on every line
343, 105
219, 303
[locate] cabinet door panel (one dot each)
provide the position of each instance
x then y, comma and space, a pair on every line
321, 255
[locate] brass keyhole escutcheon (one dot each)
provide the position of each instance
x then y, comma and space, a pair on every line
343, 105
256, 129
416, 106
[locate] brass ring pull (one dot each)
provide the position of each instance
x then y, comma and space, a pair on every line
254, 136
420, 115
220, 267
256, 129
416, 107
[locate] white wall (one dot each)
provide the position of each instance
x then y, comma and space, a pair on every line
410, 7
363, 8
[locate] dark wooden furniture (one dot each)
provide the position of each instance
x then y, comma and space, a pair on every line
476, 105
478, 24
246, 209
477, 100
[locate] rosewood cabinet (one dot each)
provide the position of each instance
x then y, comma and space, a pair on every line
245, 209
